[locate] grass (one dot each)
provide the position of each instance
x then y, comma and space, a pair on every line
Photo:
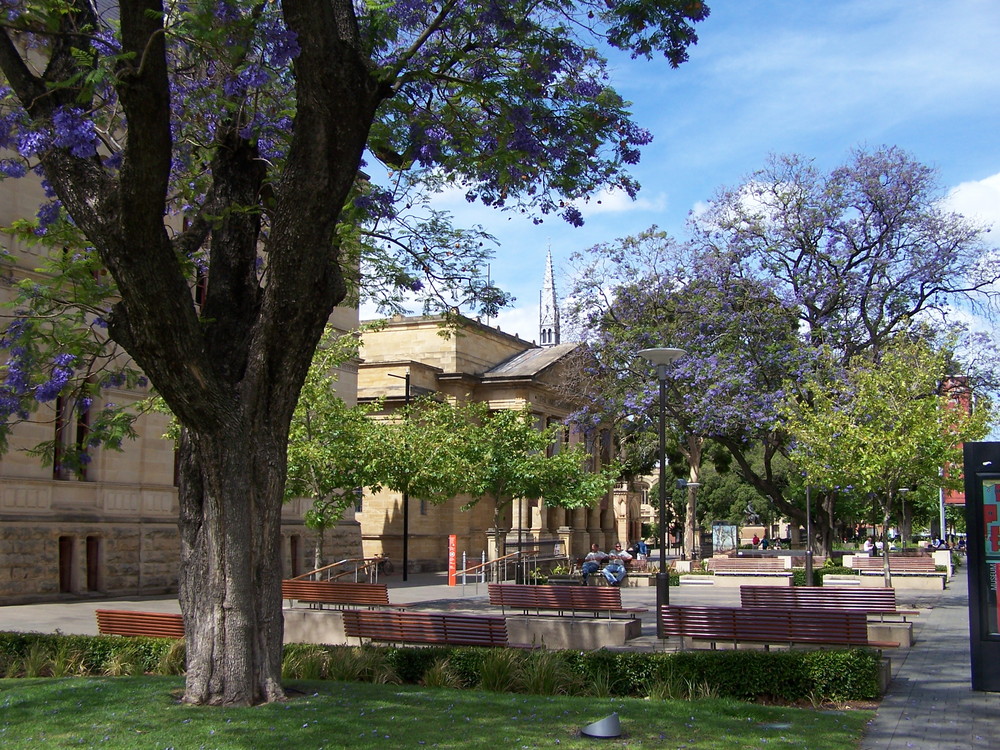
144, 712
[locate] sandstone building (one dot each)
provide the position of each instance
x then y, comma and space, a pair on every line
484, 364
111, 530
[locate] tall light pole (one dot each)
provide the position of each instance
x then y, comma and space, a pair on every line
662, 358
809, 540
406, 496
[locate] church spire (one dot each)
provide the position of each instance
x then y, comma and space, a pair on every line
548, 332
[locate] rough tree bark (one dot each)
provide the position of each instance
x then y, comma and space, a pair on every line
231, 372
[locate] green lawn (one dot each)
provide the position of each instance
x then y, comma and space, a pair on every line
143, 712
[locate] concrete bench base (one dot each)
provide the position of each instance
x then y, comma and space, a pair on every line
917, 581
912, 581
695, 580
314, 626
901, 632
735, 580
327, 626
841, 579
572, 632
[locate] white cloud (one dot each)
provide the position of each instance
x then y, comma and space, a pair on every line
978, 200
521, 321
610, 201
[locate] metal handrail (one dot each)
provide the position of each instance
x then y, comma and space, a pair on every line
505, 558
306, 576
367, 564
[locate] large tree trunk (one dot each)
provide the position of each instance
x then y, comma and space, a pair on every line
231, 370
824, 522
230, 586
693, 453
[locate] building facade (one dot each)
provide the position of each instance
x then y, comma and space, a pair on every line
483, 364
112, 529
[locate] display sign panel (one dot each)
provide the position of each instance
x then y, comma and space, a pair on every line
991, 546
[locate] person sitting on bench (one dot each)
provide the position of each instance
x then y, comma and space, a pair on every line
592, 562
615, 571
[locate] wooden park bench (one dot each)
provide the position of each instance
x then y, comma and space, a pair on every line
562, 600
127, 622
873, 601
443, 628
747, 566
317, 594
898, 564
791, 627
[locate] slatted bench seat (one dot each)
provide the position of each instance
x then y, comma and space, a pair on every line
338, 595
561, 600
443, 628
747, 566
901, 565
873, 601
737, 625
127, 622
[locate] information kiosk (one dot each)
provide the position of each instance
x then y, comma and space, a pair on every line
982, 513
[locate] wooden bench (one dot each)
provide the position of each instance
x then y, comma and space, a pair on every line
873, 601
425, 627
339, 595
903, 565
747, 566
835, 627
560, 599
127, 622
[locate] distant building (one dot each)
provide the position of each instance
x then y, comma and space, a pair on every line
477, 363
548, 308
960, 396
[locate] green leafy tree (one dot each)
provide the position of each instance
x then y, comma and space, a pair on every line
328, 441
421, 451
514, 459
882, 426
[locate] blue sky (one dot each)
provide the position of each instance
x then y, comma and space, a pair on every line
814, 77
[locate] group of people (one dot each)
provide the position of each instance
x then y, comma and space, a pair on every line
870, 545
615, 563
765, 543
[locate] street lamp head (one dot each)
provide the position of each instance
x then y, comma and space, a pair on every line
661, 356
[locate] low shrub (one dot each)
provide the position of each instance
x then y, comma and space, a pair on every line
840, 674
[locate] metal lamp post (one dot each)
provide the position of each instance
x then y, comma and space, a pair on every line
662, 358
405, 500
809, 540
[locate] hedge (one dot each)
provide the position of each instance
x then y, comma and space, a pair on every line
750, 675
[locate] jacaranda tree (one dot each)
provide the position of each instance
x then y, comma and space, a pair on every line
739, 340
790, 264
864, 253
225, 138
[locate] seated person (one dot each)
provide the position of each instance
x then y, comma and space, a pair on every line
592, 562
641, 553
616, 569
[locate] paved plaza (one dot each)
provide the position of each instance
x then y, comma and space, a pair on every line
929, 705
